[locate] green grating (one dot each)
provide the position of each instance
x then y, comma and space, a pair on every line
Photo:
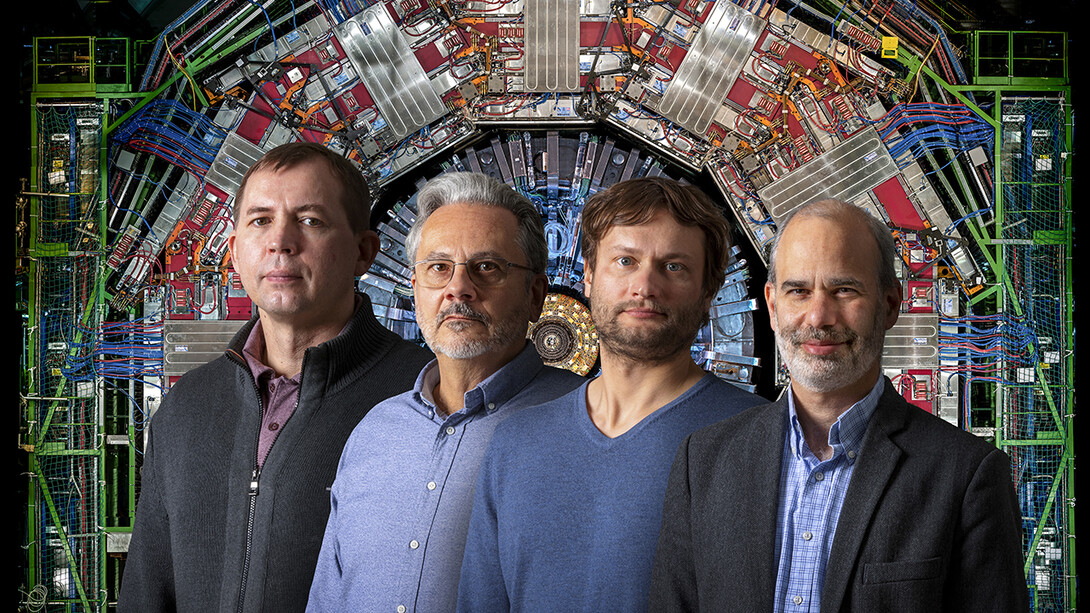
1036, 249
69, 145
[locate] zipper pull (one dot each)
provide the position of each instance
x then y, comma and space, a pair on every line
253, 482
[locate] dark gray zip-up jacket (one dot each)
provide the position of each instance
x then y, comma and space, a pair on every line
193, 517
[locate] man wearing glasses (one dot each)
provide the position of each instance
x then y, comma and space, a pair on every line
404, 489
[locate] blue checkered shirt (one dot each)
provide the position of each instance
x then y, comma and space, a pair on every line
811, 496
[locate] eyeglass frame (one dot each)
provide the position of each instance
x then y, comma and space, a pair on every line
454, 265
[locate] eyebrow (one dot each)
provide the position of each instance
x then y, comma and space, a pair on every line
834, 282
443, 255
304, 208
630, 248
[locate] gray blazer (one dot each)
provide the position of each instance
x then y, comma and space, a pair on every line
930, 521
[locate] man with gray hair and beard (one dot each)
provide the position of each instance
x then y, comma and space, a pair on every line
404, 489
841, 496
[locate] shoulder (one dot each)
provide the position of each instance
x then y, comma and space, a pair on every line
554, 382
921, 432
727, 396
756, 423
199, 391
535, 420
389, 420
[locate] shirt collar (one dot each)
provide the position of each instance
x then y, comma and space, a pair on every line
255, 346
490, 394
847, 433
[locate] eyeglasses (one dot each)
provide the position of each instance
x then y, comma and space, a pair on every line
484, 272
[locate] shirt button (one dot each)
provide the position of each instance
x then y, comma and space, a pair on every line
274, 426
413, 544
431, 485
797, 600
807, 535
851, 455
819, 476
401, 608
491, 405
450, 430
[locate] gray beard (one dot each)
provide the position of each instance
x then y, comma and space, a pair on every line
830, 373
500, 335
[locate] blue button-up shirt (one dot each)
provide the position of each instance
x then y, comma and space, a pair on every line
811, 497
404, 491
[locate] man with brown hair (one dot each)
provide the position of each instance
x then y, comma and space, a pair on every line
568, 503
241, 455
840, 496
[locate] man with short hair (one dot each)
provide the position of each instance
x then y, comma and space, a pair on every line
404, 488
570, 494
840, 496
242, 452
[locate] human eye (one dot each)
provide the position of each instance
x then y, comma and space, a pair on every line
313, 222
259, 221
485, 265
487, 271
674, 267
437, 266
625, 261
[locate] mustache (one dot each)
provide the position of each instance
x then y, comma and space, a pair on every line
461, 309
835, 335
640, 304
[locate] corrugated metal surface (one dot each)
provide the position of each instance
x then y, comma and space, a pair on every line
552, 45
391, 73
707, 72
844, 173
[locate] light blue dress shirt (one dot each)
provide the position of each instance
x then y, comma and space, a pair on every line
404, 491
811, 497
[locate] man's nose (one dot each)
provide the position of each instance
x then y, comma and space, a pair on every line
822, 310
460, 286
283, 237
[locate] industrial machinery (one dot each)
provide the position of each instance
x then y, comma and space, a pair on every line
960, 141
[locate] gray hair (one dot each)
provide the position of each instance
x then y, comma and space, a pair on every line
480, 189
838, 210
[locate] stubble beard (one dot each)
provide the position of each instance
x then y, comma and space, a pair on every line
829, 373
500, 335
644, 345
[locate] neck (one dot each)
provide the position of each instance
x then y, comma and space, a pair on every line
456, 377
818, 411
628, 391
286, 344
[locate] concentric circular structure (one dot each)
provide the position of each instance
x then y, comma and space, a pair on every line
565, 336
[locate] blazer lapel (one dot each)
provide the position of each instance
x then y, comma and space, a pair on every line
877, 460
765, 449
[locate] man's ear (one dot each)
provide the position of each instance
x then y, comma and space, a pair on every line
892, 301
588, 278
770, 300
539, 287
231, 245
368, 248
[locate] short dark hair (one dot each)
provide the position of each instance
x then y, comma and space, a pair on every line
838, 210
477, 188
636, 201
357, 196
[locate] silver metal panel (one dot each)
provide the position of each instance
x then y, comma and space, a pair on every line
844, 173
391, 73
233, 160
913, 342
551, 39
189, 344
710, 68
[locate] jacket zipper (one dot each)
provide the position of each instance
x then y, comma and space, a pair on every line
255, 477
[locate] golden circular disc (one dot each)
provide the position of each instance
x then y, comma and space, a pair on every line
564, 336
